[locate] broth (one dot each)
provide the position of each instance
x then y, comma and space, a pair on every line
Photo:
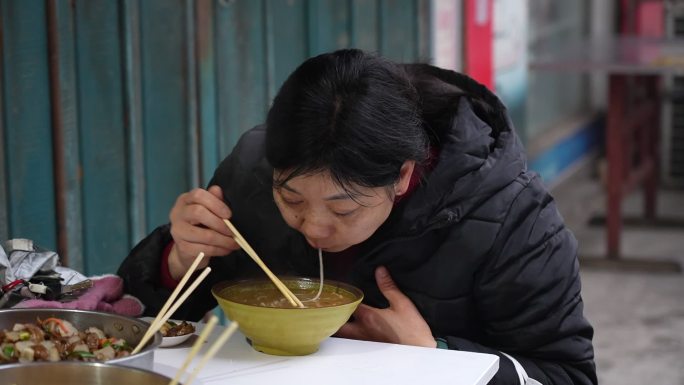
265, 296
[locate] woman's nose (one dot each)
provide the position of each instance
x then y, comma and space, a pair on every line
315, 228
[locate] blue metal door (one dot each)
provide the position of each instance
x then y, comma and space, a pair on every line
110, 109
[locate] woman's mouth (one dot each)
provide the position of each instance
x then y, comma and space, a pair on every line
318, 245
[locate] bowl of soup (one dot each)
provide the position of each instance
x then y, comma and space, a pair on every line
274, 326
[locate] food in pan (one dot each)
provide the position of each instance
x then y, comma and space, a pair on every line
55, 339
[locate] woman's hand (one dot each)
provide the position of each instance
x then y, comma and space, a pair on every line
400, 323
197, 226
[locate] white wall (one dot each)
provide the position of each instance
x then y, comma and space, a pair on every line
601, 27
446, 23
510, 31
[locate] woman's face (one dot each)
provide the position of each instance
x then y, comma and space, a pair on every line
327, 216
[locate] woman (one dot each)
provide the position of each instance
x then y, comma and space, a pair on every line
412, 182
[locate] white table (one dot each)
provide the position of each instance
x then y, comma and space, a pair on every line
338, 361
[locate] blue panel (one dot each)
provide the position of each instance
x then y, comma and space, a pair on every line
66, 135
288, 29
148, 96
133, 119
423, 31
4, 206
398, 29
364, 24
209, 142
103, 145
4, 228
558, 158
328, 25
241, 68
28, 138
165, 99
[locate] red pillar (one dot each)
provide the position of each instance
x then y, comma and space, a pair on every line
478, 41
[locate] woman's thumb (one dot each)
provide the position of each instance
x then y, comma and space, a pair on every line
386, 285
216, 191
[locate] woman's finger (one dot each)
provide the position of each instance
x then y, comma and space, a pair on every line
188, 251
208, 200
205, 236
351, 330
197, 214
216, 191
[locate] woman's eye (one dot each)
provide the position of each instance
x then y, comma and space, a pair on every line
344, 214
290, 202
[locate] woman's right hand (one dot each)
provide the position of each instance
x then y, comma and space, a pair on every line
197, 226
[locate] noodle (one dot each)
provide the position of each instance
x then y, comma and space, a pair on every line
320, 286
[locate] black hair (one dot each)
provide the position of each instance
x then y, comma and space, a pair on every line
349, 112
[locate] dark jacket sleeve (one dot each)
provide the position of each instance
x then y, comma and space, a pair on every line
529, 297
141, 268
141, 274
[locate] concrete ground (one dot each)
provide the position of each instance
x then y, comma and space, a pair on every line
638, 316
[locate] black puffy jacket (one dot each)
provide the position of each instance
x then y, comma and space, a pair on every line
479, 246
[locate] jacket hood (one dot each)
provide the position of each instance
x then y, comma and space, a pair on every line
479, 151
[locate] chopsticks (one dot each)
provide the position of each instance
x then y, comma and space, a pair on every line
170, 306
195, 348
289, 295
213, 349
211, 352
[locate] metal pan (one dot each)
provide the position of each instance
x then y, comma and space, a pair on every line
69, 373
130, 329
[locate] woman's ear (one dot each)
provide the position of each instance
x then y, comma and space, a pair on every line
405, 174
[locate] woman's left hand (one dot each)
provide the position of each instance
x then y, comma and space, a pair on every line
400, 323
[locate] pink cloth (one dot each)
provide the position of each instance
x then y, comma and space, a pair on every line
105, 295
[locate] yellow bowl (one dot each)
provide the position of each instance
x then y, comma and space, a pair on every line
286, 331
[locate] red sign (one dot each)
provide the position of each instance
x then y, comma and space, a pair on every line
478, 47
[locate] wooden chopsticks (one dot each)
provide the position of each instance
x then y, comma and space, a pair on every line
195, 348
289, 295
211, 352
170, 306
213, 349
